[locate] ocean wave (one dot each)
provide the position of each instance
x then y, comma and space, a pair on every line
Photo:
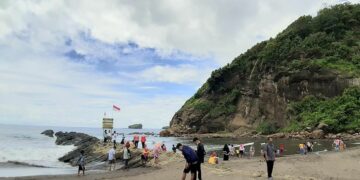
17, 163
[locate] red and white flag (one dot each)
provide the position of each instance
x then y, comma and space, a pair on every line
116, 108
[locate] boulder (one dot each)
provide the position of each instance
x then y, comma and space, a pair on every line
166, 133
318, 134
74, 138
322, 126
48, 132
135, 126
82, 142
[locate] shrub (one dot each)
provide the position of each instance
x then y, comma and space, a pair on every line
267, 128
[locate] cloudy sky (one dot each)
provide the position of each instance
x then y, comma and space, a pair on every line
65, 63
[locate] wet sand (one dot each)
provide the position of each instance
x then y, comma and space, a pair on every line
329, 165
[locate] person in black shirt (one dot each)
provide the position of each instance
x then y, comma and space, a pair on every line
226, 152
200, 152
174, 148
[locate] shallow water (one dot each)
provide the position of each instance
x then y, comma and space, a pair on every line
291, 145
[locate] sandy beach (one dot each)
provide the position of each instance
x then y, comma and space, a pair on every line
327, 165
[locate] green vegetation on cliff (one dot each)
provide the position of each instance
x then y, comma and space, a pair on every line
341, 113
328, 42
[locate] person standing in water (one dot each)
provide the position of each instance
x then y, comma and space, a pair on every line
200, 154
252, 151
242, 150
191, 161
226, 152
232, 150
269, 152
81, 163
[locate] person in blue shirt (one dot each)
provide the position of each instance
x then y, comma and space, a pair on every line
191, 160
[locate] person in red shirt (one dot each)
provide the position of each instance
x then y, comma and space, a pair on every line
136, 140
143, 141
282, 148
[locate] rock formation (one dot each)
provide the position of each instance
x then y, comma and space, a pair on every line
256, 90
48, 132
135, 126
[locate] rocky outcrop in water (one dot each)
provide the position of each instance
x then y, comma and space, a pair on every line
48, 132
143, 133
135, 126
82, 142
96, 152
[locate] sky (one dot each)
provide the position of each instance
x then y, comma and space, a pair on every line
65, 63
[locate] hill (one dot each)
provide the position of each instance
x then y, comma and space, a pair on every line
305, 77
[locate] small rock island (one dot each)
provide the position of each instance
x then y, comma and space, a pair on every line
135, 126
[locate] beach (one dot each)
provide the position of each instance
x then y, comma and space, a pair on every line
326, 165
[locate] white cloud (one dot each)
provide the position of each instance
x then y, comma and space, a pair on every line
39, 86
202, 27
181, 74
58, 92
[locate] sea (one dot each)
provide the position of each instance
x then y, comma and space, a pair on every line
24, 151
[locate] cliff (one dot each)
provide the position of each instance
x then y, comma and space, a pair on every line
315, 60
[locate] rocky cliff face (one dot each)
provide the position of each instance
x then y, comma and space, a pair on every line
259, 85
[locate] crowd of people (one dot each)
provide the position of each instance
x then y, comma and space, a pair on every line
127, 145
195, 157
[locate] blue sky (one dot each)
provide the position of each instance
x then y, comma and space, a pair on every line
67, 62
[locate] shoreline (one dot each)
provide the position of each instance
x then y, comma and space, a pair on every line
325, 165
280, 135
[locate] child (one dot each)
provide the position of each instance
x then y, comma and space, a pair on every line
156, 155
237, 152
282, 149
174, 148
145, 155
81, 163
232, 150
213, 158
252, 151
163, 147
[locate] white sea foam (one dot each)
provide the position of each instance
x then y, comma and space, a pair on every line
31, 148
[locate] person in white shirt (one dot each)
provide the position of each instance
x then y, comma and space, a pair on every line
108, 136
113, 137
126, 156
112, 157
